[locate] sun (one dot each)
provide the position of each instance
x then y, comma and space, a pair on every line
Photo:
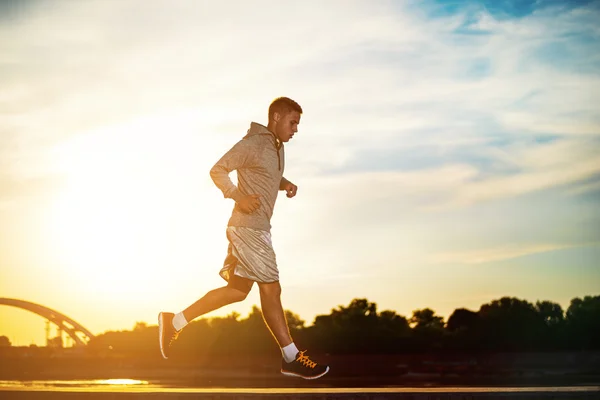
100, 231
107, 218
124, 212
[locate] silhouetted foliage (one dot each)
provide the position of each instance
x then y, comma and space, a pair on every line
462, 320
510, 324
4, 341
428, 330
505, 324
463, 329
583, 322
359, 329
426, 319
551, 313
554, 319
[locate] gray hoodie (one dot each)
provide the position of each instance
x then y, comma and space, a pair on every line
259, 161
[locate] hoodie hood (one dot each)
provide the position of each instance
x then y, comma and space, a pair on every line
259, 129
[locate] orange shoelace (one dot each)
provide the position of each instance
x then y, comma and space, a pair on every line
173, 338
307, 362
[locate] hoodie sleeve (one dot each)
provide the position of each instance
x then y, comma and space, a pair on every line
283, 183
241, 155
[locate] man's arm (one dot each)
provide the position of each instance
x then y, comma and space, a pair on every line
288, 186
239, 156
284, 183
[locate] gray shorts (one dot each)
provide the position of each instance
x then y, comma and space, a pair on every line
250, 255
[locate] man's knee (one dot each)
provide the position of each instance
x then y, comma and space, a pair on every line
236, 295
272, 289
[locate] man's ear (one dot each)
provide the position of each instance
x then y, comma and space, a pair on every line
276, 116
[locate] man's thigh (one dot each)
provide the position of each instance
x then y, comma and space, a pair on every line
244, 285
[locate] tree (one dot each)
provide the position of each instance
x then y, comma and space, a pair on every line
506, 324
511, 324
360, 311
393, 322
346, 329
293, 320
463, 327
462, 320
5, 341
140, 326
392, 333
555, 327
358, 328
428, 329
255, 335
583, 321
426, 318
551, 313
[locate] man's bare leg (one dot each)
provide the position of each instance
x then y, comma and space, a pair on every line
236, 290
270, 301
294, 363
169, 324
213, 300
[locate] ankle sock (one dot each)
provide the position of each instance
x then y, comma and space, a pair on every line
289, 352
179, 321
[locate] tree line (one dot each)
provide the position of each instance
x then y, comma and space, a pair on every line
507, 324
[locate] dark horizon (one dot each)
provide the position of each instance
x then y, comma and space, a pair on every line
505, 324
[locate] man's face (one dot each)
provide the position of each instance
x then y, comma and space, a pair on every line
287, 125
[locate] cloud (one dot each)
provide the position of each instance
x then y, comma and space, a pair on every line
385, 89
585, 187
483, 256
541, 167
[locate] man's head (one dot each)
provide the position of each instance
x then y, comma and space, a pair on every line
284, 117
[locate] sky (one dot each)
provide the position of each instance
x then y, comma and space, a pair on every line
447, 156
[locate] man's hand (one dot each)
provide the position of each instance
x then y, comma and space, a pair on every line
290, 188
249, 204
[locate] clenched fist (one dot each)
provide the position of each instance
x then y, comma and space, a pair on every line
290, 189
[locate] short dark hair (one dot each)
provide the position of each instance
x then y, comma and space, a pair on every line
283, 105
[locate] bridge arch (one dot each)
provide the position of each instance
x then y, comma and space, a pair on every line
75, 330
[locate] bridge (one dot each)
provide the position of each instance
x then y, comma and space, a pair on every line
80, 335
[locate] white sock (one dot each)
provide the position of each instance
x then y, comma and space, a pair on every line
179, 321
289, 352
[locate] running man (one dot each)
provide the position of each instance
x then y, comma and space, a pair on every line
259, 161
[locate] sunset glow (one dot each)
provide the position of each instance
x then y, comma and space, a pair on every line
447, 154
